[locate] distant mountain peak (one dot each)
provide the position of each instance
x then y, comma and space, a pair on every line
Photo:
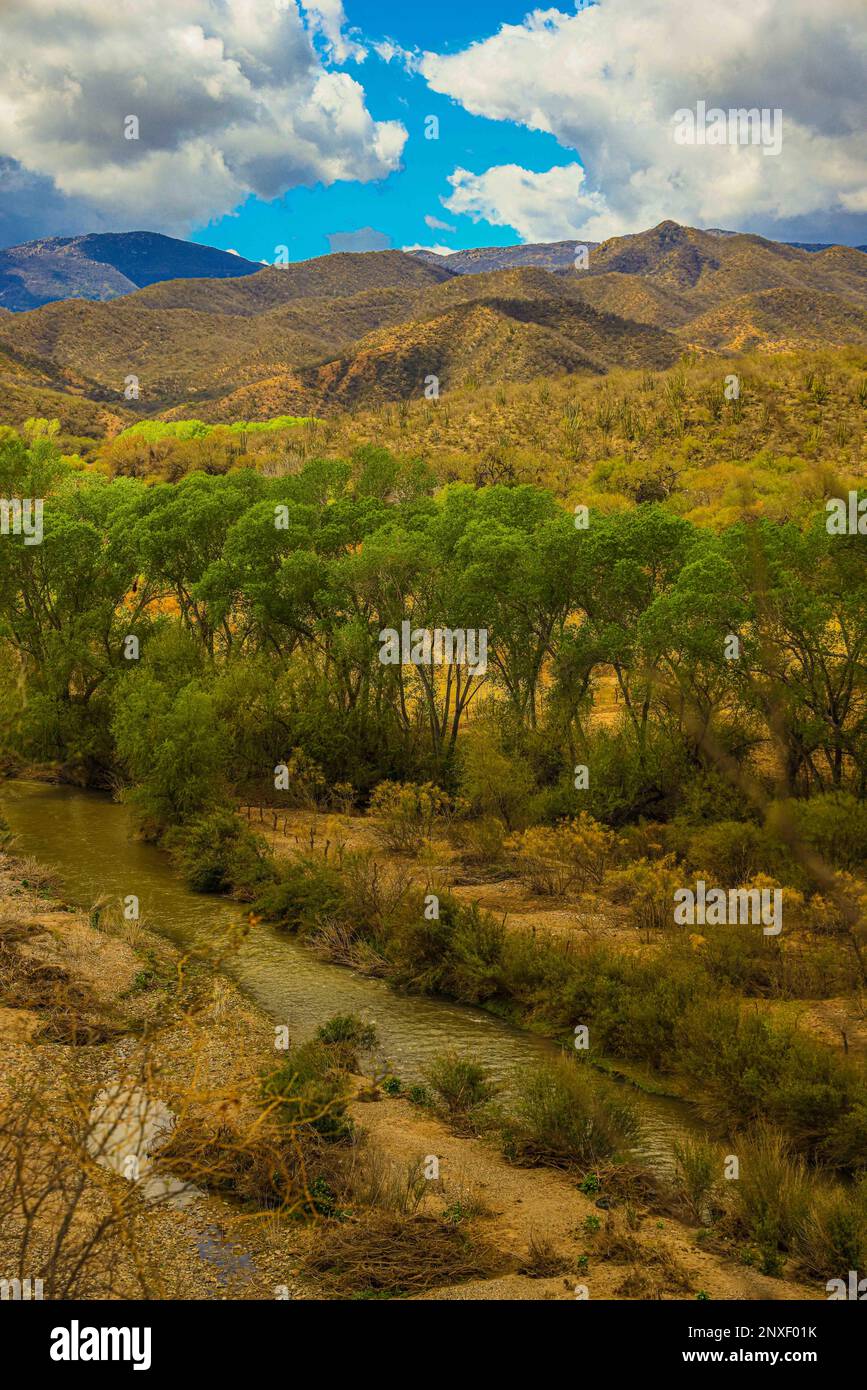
104, 265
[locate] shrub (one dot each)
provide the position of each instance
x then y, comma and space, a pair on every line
834, 824
832, 1237
481, 841
310, 1088
347, 1035
386, 1256
217, 852
771, 1195
306, 784
730, 852
348, 1028
698, 1169
565, 1117
406, 814
648, 888
567, 858
462, 1086
636, 1005
304, 893
458, 953
492, 783
751, 1068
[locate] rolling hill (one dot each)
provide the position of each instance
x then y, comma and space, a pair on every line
356, 329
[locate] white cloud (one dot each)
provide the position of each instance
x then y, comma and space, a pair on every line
437, 225
606, 82
437, 250
327, 17
541, 207
231, 97
388, 51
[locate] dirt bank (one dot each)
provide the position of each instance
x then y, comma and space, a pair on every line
91, 999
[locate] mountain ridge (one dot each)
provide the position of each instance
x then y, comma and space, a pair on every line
105, 265
354, 328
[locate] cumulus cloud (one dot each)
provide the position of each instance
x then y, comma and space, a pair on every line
328, 18
606, 82
541, 207
232, 98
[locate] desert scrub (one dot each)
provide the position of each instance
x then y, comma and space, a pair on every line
698, 1178
304, 893
458, 953
311, 1088
647, 887
749, 1068
347, 1035
563, 859
494, 784
462, 1088
771, 1197
673, 1012
565, 1117
832, 1238
406, 814
480, 841
382, 1255
729, 851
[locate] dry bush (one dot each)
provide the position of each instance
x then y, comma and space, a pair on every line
654, 1270
64, 1218
543, 1259
652, 1283
339, 943
252, 1163
369, 1178
385, 1255
565, 859
73, 1015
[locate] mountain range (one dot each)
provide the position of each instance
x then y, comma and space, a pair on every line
105, 265
353, 329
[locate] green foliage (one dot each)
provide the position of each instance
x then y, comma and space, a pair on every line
302, 894
462, 1086
348, 1035
833, 824
831, 1238
310, 1088
493, 783
172, 748
771, 1194
564, 1117
218, 853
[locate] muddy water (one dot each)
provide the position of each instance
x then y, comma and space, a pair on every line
88, 839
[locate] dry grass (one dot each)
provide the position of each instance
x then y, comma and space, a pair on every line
543, 1259
382, 1255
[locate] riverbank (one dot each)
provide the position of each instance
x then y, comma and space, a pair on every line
87, 1009
163, 1018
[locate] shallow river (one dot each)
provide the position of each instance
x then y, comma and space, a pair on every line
87, 838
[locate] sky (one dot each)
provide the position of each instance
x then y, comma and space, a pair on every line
265, 124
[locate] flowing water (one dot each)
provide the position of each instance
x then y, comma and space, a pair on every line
88, 839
